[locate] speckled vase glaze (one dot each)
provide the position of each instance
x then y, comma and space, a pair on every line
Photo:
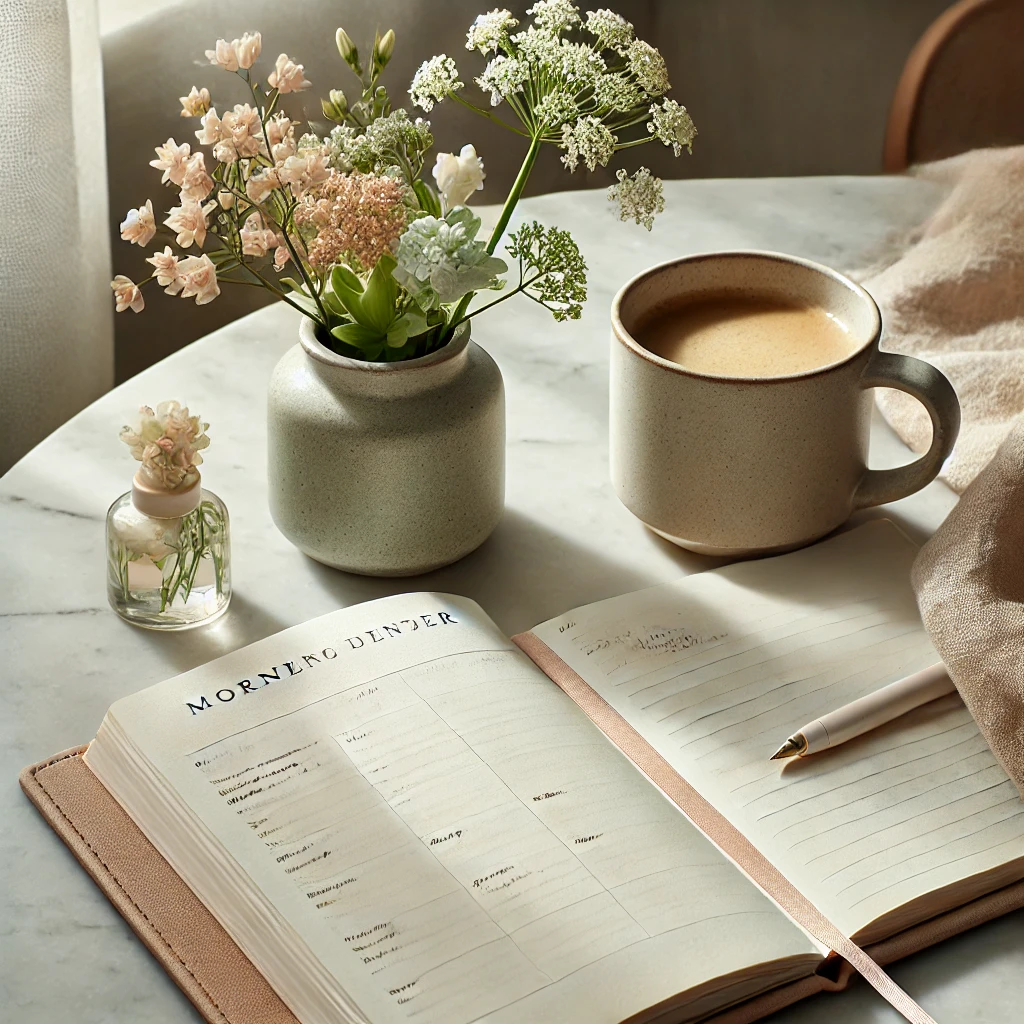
386, 469
742, 466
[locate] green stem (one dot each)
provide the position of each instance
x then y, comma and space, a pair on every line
635, 142
490, 117
521, 287
513, 197
499, 229
305, 277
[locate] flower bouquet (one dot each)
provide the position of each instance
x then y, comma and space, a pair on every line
344, 225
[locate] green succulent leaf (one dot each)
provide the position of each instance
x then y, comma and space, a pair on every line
427, 197
358, 336
377, 305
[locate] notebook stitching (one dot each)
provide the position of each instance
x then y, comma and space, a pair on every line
114, 878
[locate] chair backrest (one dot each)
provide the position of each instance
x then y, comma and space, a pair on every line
962, 86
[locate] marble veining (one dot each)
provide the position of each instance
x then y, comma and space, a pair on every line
564, 540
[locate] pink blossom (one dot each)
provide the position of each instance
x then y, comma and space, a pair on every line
257, 240
172, 160
287, 76
260, 185
196, 183
165, 269
223, 55
304, 171
127, 295
189, 221
241, 134
280, 134
239, 53
199, 276
197, 102
212, 130
247, 49
167, 442
139, 226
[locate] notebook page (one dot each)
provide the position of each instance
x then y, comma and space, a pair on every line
447, 831
717, 669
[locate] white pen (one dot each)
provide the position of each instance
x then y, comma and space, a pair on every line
869, 712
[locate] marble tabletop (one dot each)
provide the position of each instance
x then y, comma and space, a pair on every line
565, 540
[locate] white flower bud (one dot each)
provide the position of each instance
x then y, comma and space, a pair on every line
458, 177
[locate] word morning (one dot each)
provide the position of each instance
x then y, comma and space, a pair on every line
304, 662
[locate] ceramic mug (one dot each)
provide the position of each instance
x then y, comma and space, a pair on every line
744, 466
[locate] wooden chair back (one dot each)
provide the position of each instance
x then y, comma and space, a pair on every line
962, 86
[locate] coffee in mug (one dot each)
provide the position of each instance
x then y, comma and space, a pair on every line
741, 402
746, 335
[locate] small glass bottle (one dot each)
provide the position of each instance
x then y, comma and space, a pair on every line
168, 548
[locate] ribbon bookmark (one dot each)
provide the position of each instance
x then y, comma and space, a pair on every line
716, 826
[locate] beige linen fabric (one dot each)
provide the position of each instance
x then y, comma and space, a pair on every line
955, 297
969, 580
56, 332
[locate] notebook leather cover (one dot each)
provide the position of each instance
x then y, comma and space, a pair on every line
226, 988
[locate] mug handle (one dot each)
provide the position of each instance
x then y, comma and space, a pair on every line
931, 388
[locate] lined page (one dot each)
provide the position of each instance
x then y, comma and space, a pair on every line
717, 670
449, 832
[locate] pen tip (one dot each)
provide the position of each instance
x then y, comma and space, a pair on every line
790, 748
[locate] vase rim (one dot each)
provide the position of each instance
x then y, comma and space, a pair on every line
322, 354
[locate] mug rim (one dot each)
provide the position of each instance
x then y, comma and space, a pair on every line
626, 339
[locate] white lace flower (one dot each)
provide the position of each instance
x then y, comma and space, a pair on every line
648, 67
673, 125
435, 80
554, 16
618, 93
502, 77
578, 65
487, 32
589, 140
556, 109
611, 30
389, 135
536, 47
639, 197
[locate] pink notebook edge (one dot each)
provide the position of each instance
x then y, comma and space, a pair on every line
250, 989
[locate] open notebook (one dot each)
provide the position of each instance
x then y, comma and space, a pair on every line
398, 817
